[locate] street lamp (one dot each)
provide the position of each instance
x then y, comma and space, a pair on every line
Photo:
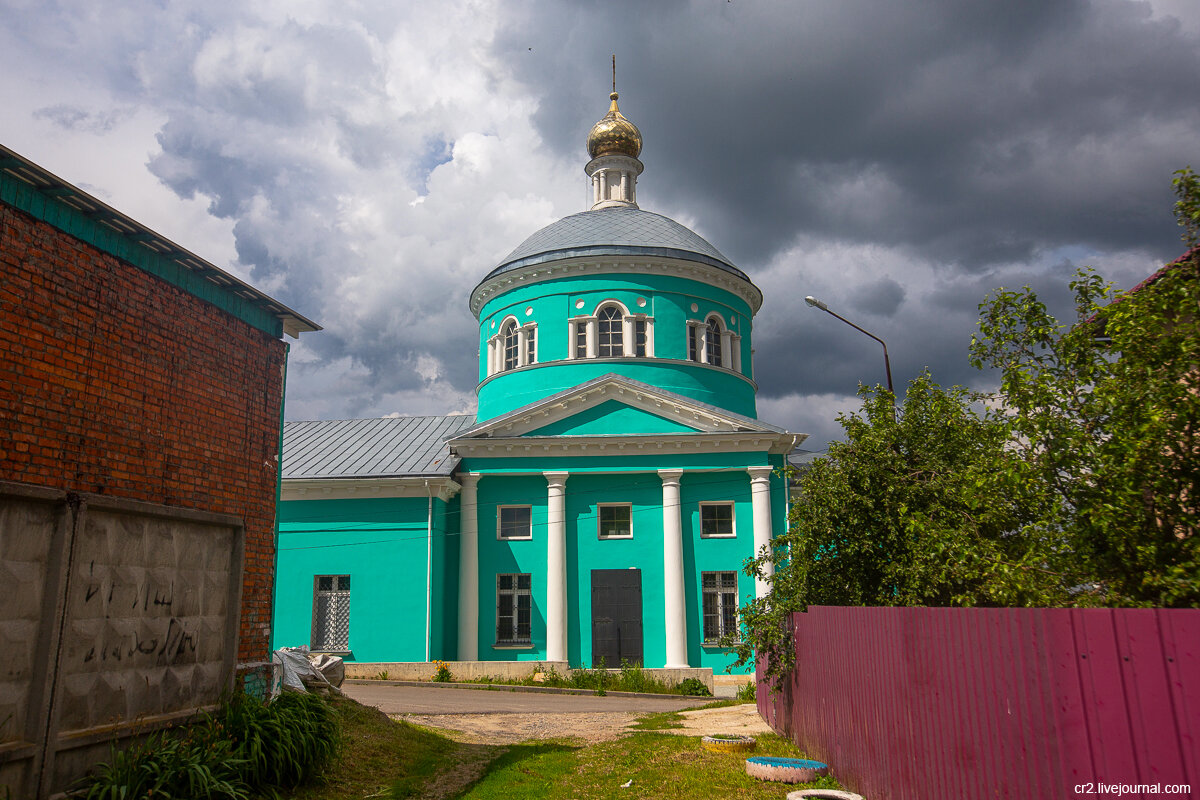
887, 364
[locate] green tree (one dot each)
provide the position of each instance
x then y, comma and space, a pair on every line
927, 505
1103, 414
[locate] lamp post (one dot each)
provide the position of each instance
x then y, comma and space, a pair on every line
887, 364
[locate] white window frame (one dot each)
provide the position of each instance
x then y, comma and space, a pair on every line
526, 346
585, 329
338, 641
619, 333
500, 523
732, 519
600, 524
722, 593
513, 638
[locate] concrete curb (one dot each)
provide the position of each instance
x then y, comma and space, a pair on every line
504, 687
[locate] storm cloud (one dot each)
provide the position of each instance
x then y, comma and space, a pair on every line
368, 163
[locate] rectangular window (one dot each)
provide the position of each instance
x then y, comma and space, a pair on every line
616, 520
331, 613
716, 519
693, 350
514, 605
639, 337
514, 522
581, 339
531, 346
720, 604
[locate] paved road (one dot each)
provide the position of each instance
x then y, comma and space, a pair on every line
392, 699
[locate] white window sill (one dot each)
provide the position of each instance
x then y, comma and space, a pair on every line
718, 645
512, 646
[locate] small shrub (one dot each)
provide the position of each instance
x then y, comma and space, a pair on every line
442, 672
382, 676
196, 762
694, 687
746, 691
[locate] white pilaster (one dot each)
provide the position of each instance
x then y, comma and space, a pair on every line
522, 346
556, 566
736, 352
468, 570
726, 349
676, 610
628, 345
760, 501
592, 331
702, 341
649, 338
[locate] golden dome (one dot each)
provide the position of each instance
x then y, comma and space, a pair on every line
614, 134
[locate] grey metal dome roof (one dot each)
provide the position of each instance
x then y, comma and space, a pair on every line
614, 231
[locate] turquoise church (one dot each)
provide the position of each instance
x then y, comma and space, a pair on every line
599, 507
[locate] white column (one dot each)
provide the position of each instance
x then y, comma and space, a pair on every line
592, 330
676, 610
649, 338
522, 346
468, 570
726, 349
595, 188
760, 501
702, 341
624, 185
628, 345
604, 185
556, 566
736, 344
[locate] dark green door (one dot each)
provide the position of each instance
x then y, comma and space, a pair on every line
616, 617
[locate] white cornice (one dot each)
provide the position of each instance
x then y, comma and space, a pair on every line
658, 444
640, 265
442, 488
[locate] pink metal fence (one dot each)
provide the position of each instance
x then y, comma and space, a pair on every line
920, 703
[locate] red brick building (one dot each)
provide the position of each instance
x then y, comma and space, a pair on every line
141, 396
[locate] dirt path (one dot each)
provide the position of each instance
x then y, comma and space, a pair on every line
484, 737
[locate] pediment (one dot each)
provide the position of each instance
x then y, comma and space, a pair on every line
613, 405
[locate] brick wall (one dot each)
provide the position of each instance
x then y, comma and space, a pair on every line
116, 382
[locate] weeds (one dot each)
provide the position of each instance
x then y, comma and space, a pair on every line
442, 673
746, 691
249, 747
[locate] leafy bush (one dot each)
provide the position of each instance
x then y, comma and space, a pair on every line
746, 691
694, 687
248, 747
198, 763
442, 673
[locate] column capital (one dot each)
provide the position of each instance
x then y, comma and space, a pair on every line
670, 475
760, 473
469, 478
557, 478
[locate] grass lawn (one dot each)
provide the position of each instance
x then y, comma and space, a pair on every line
659, 766
382, 758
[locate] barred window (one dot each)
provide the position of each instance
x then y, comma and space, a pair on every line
331, 613
581, 339
514, 604
693, 349
531, 345
720, 604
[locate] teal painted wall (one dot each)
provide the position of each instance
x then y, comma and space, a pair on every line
381, 544
609, 417
552, 303
586, 552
